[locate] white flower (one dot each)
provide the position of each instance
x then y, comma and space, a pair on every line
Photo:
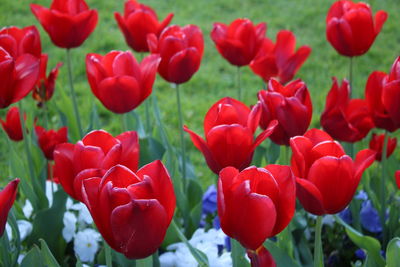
9, 231
69, 203
50, 188
69, 229
24, 228
27, 209
207, 242
86, 244
84, 214
20, 258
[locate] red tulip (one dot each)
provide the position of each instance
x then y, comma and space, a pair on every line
240, 41
68, 22
256, 203
12, 124
19, 41
45, 85
20, 51
118, 81
290, 105
397, 178
376, 144
320, 164
48, 140
7, 198
345, 119
383, 94
261, 258
137, 22
279, 60
92, 157
229, 127
132, 210
351, 28
181, 50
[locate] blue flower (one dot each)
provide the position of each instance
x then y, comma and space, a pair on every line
369, 217
360, 254
210, 200
345, 215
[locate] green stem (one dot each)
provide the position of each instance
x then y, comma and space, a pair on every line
239, 83
383, 189
178, 99
73, 95
351, 75
124, 122
318, 254
26, 142
108, 254
147, 110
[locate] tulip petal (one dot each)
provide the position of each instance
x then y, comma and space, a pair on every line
225, 180
120, 176
364, 159
201, 145
64, 168
148, 68
310, 197
183, 65
162, 185
328, 171
264, 135
81, 177
286, 203
7, 198
139, 227
380, 18
100, 138
130, 150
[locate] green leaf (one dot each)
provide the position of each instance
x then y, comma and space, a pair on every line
5, 255
281, 257
393, 253
121, 260
146, 262
150, 150
33, 258
48, 225
370, 244
238, 255
47, 257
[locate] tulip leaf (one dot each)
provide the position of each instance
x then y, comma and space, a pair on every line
280, 255
134, 122
48, 225
94, 122
5, 255
67, 114
238, 255
48, 258
370, 244
146, 262
150, 150
32, 258
393, 253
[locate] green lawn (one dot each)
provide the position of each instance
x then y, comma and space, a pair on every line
216, 77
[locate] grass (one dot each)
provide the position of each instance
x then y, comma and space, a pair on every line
216, 78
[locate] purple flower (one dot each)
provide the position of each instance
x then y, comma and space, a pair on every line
345, 215
210, 200
369, 217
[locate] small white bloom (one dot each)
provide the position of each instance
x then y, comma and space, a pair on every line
168, 259
50, 188
20, 258
24, 228
84, 214
9, 231
69, 203
69, 229
328, 220
27, 209
86, 244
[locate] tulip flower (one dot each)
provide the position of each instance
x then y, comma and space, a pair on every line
97, 152
376, 144
119, 81
382, 93
256, 203
137, 22
240, 41
19, 41
45, 85
68, 22
345, 119
320, 163
132, 210
260, 258
48, 140
229, 127
181, 50
7, 198
20, 51
290, 105
397, 178
351, 28
12, 124
279, 60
